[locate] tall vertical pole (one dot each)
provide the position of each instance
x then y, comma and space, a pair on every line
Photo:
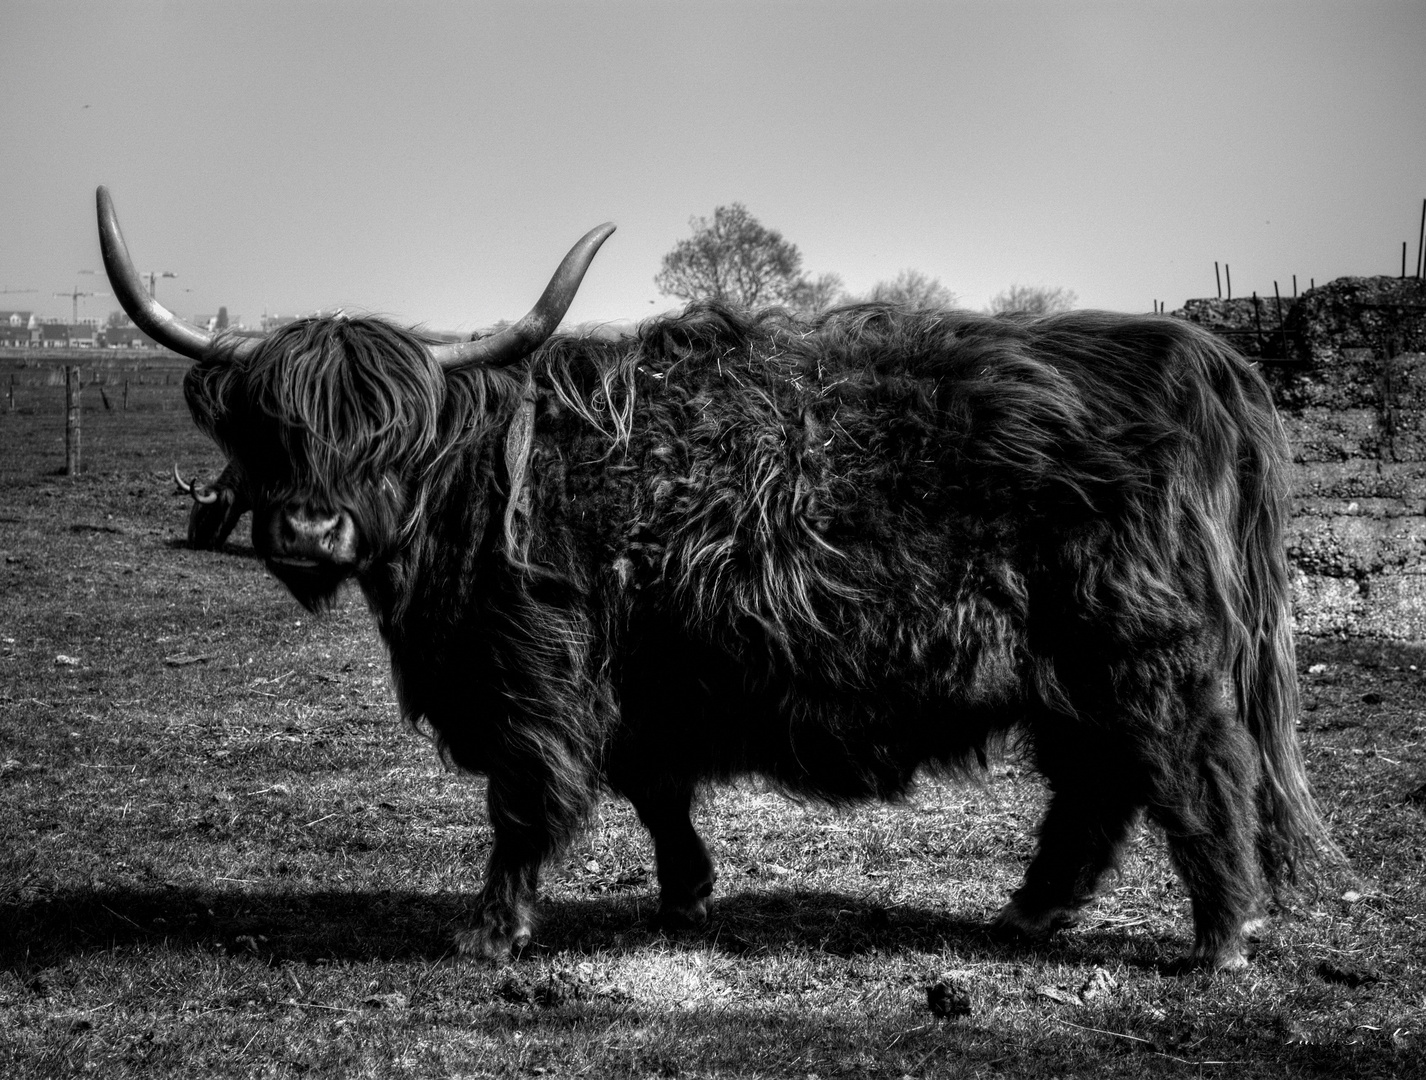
1228, 275
1421, 240
1218, 278
72, 387
1281, 322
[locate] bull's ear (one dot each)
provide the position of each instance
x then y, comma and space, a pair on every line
518, 341
148, 314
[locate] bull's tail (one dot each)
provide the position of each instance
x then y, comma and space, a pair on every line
1292, 831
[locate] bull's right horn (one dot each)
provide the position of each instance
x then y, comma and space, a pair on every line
518, 341
148, 314
205, 495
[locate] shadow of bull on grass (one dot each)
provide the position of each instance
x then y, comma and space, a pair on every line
290, 925
296, 927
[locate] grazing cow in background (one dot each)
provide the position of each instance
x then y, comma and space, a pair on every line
832, 553
217, 507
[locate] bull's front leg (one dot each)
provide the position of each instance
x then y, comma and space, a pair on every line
685, 869
505, 910
533, 823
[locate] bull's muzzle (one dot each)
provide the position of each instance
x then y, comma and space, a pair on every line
310, 552
300, 537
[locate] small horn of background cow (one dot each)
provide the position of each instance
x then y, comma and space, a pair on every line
205, 496
515, 342
148, 314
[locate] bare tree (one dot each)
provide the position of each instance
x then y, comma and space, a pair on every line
734, 258
815, 295
914, 289
1033, 300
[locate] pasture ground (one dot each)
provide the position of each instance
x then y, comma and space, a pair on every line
223, 854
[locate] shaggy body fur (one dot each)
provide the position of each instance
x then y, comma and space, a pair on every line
830, 553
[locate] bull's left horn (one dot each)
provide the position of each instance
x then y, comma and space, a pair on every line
148, 314
518, 341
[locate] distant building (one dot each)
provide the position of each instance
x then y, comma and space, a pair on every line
125, 336
16, 334
51, 335
83, 335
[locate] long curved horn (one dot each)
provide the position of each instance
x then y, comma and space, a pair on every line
518, 341
148, 314
183, 485
206, 496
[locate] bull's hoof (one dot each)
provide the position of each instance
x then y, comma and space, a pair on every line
684, 907
1233, 959
495, 939
683, 916
1013, 923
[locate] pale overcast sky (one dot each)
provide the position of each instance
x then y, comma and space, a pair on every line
433, 161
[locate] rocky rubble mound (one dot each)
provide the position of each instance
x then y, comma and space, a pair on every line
1347, 367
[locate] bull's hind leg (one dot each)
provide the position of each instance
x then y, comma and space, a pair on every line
1090, 815
1205, 798
685, 869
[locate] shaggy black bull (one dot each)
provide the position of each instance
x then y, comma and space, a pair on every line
831, 553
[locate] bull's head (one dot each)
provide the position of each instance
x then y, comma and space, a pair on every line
329, 419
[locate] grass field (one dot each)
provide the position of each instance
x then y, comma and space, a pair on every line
223, 854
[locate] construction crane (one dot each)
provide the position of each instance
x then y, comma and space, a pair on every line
74, 296
153, 276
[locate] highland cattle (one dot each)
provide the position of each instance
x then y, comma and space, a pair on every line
217, 507
834, 553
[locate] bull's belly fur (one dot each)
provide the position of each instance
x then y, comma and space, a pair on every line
843, 701
715, 711
673, 706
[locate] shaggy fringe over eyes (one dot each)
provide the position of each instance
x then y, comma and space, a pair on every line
345, 395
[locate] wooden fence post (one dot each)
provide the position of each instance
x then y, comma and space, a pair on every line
72, 387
